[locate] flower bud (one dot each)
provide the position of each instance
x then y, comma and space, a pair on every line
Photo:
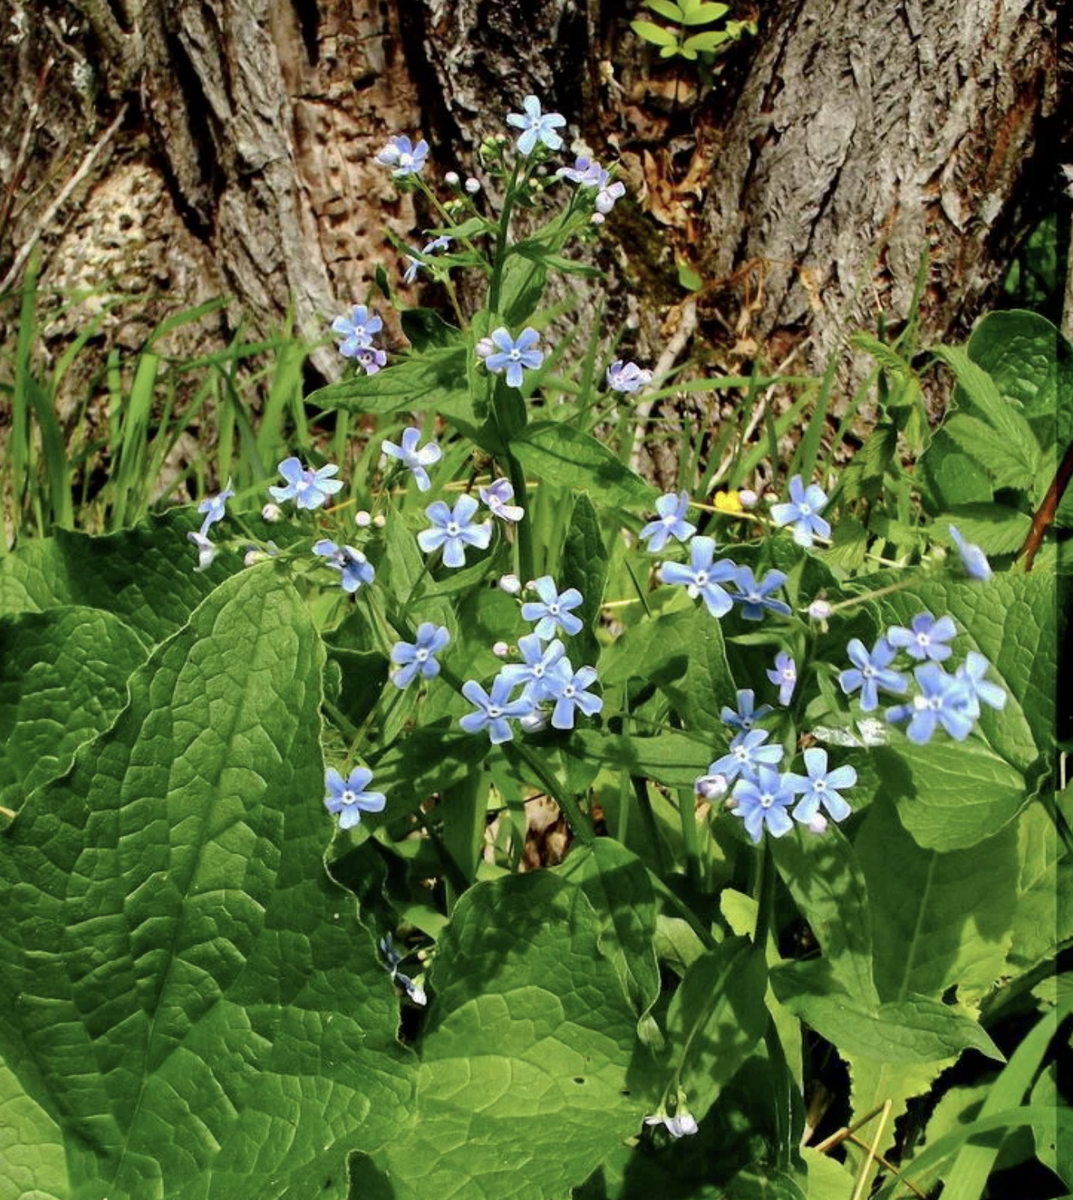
534, 722
819, 610
748, 499
363, 519
818, 824
379, 521
510, 584
473, 185
451, 179
271, 513
711, 787
254, 556
485, 347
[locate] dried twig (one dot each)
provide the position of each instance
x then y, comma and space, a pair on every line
23, 153
686, 325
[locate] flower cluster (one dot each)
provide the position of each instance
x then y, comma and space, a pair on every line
588, 174
358, 332
720, 584
544, 676
214, 509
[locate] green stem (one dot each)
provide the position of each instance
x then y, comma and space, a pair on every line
579, 823
764, 890
502, 241
526, 557
640, 790
687, 810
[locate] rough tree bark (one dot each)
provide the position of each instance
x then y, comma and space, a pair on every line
849, 138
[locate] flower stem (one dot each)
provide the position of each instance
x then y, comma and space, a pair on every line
502, 241
687, 811
764, 891
526, 560
579, 823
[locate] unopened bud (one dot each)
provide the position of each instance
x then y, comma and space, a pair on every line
819, 610
379, 521
534, 722
510, 584
711, 787
451, 179
597, 218
485, 347
748, 499
818, 824
271, 513
254, 556
472, 185
363, 519
501, 649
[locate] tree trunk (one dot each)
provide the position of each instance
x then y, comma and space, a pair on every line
848, 140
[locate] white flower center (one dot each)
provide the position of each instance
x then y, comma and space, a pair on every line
553, 610
923, 639
569, 691
789, 675
766, 799
741, 754
868, 671
421, 655
805, 510
515, 354
453, 529
405, 160
494, 711
701, 579
819, 785
349, 796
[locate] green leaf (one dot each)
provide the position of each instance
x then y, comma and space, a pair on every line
708, 684
584, 566
182, 990
705, 14
949, 795
672, 759
665, 8
995, 528
706, 42
941, 920
425, 328
1008, 463
688, 277
525, 1082
1043, 914
649, 31
63, 679
560, 454
715, 1019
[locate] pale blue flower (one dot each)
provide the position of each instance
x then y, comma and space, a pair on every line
784, 676
570, 694
307, 488
537, 126
627, 376
585, 173
495, 711
747, 715
871, 672
803, 512
348, 799
352, 565
403, 156
702, 577
924, 640
512, 356
370, 359
764, 801
973, 559
454, 530
942, 700
755, 597
417, 259
414, 458
214, 508
819, 788
552, 612
671, 522
534, 673
206, 551
357, 330
608, 194
419, 657
746, 755
497, 497
682, 1124
971, 675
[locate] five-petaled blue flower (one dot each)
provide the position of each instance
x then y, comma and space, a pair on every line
403, 156
357, 330
306, 487
671, 522
413, 457
627, 376
585, 172
973, 559
417, 259
512, 356
419, 657
702, 577
497, 499
570, 694
353, 566
764, 801
784, 676
214, 508
756, 597
454, 530
803, 512
370, 359
819, 788
540, 664
942, 700
747, 715
552, 611
537, 126
871, 672
971, 675
348, 799
747, 753
924, 640
494, 712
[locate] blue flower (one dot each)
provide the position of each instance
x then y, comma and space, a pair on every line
942, 700
306, 487
570, 694
784, 676
355, 568
416, 262
803, 512
414, 458
495, 711
214, 508
552, 612
370, 359
206, 551
357, 330
702, 577
513, 355
585, 172
871, 672
403, 156
755, 597
535, 673
819, 788
764, 801
627, 376
348, 799
496, 498
926, 637
747, 716
454, 530
536, 126
392, 959
419, 657
971, 675
747, 753
608, 194
671, 522
973, 559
